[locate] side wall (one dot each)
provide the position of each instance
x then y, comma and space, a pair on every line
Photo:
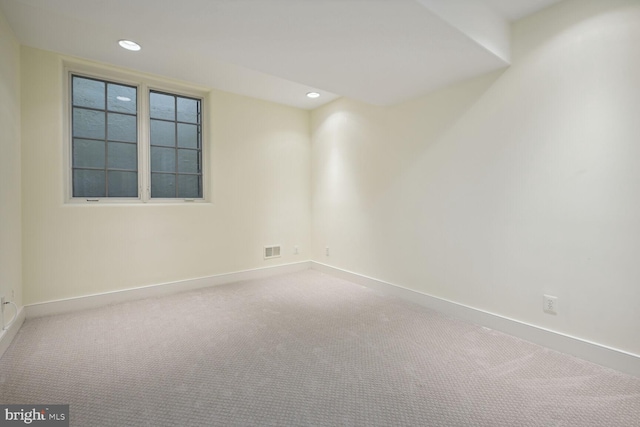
10, 196
259, 156
498, 190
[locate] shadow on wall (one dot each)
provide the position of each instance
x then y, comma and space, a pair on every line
360, 137
364, 154
570, 16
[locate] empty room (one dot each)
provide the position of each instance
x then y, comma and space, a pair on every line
320, 213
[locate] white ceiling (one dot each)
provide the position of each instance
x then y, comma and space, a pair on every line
377, 51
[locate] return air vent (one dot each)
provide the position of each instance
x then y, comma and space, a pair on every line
271, 252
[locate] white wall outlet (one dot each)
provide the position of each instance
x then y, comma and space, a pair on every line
550, 304
326, 251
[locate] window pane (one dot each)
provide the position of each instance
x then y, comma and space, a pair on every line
123, 184
163, 185
122, 128
122, 156
88, 124
104, 119
162, 106
187, 110
88, 183
163, 133
188, 161
189, 186
88, 93
187, 136
88, 154
163, 159
121, 98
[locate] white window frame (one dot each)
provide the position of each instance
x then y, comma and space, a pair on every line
144, 85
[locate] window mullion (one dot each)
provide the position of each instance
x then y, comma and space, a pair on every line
144, 146
175, 112
106, 140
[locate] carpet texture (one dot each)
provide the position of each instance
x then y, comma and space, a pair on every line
303, 349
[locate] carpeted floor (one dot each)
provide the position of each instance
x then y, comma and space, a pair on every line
304, 349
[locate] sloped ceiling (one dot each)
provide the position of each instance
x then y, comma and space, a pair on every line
377, 51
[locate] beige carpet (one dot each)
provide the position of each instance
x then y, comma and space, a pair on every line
303, 349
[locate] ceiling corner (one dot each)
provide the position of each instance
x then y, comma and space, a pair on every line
478, 21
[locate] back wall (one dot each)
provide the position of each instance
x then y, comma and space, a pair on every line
260, 179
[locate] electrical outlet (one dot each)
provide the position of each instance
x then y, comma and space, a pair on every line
550, 304
326, 251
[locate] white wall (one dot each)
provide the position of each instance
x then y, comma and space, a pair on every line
260, 181
10, 203
497, 190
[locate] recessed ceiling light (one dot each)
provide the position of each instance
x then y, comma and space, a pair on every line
129, 45
123, 98
313, 94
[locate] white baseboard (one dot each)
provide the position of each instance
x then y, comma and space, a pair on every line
9, 334
593, 352
99, 300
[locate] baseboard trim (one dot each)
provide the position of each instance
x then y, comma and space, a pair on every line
9, 334
99, 300
619, 360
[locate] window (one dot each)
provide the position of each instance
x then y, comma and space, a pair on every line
176, 146
104, 139
135, 143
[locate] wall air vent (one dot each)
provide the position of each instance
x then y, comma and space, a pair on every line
271, 252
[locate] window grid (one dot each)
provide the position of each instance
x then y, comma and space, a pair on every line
176, 173
112, 149
106, 169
